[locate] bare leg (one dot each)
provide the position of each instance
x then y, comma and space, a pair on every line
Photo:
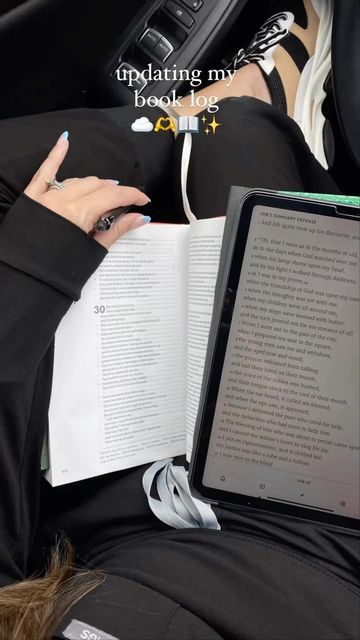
249, 80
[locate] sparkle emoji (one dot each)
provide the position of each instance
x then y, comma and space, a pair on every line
214, 125
210, 126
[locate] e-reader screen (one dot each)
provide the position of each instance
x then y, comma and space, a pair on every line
285, 427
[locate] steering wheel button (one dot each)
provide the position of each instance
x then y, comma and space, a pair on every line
194, 5
150, 38
178, 12
163, 49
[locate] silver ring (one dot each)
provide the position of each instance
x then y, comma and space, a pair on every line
54, 184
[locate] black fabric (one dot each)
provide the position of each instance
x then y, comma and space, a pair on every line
153, 161
256, 146
239, 586
346, 73
260, 577
31, 312
142, 612
44, 263
28, 253
297, 7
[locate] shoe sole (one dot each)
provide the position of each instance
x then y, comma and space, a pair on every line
311, 93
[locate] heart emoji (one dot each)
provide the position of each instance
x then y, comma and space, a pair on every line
165, 124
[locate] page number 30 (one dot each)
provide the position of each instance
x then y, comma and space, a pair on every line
99, 309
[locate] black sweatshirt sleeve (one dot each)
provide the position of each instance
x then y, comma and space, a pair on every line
45, 261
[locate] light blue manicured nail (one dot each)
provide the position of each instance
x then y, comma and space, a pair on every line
65, 135
116, 182
147, 219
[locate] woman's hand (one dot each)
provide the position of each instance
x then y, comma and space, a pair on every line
84, 201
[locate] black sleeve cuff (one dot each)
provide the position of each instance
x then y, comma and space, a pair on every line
48, 247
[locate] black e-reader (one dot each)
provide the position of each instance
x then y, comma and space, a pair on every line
278, 421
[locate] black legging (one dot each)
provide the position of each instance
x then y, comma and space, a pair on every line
255, 147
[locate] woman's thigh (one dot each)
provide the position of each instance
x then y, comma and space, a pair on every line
101, 143
255, 146
114, 508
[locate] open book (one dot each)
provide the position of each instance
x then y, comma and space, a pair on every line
188, 124
129, 356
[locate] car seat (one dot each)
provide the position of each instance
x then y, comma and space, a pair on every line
342, 133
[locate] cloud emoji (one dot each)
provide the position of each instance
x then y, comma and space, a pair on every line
142, 125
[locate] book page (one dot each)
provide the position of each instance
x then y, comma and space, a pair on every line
204, 256
286, 425
194, 124
118, 397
